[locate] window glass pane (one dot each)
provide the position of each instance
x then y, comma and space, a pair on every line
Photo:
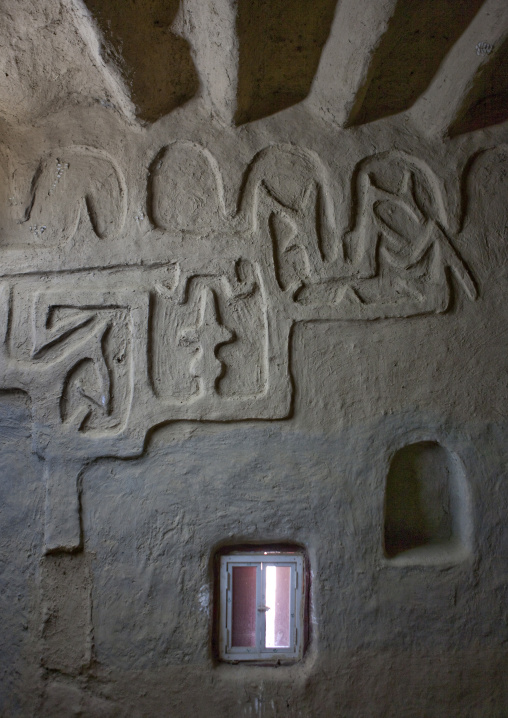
244, 606
278, 600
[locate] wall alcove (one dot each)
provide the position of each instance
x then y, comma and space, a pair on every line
426, 509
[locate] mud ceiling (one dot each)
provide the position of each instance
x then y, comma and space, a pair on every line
225, 218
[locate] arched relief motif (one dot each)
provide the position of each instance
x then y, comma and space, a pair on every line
401, 224
485, 197
72, 186
399, 252
287, 189
185, 191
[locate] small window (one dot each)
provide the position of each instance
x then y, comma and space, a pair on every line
261, 606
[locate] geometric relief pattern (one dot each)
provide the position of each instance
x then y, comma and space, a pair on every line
205, 338
287, 188
76, 351
94, 343
203, 333
212, 338
96, 390
395, 260
401, 229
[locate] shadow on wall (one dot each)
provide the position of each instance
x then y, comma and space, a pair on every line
418, 37
280, 48
487, 102
426, 503
156, 63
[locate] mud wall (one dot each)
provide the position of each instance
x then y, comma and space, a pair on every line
253, 291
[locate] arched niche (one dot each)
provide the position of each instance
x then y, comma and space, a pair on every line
426, 508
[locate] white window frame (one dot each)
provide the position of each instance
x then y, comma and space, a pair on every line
260, 652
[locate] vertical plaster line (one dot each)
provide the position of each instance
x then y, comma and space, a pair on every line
437, 108
63, 522
115, 89
210, 29
357, 29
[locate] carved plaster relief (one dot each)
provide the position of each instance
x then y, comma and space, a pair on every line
206, 338
76, 350
185, 189
397, 259
97, 389
212, 337
485, 195
203, 333
399, 253
196, 196
401, 219
287, 192
73, 186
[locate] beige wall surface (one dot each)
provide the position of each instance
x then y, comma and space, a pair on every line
252, 292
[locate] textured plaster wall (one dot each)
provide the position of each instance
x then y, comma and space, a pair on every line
251, 293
